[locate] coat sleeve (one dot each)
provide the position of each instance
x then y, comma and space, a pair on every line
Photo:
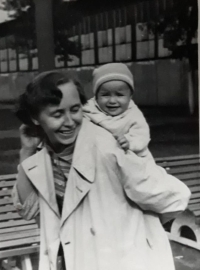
149, 186
30, 208
138, 135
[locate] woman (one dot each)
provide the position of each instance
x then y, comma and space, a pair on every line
92, 197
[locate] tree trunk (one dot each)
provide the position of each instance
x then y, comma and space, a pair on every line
44, 34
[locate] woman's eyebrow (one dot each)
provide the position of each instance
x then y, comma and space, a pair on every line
55, 110
76, 105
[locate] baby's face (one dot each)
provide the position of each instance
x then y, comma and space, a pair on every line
113, 97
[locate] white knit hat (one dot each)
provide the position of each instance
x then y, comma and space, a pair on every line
111, 72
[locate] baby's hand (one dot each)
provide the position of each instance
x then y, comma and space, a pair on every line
123, 142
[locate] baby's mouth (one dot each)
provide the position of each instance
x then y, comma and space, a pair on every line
112, 107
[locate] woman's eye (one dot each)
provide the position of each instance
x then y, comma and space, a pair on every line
57, 115
75, 109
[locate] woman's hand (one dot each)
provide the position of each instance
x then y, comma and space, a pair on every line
29, 142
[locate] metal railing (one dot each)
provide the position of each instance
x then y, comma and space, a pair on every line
126, 34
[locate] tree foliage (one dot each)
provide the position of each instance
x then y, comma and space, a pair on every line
179, 27
23, 12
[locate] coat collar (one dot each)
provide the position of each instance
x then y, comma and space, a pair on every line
39, 171
83, 158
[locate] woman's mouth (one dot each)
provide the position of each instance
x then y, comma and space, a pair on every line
67, 132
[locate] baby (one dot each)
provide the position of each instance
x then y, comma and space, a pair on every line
113, 109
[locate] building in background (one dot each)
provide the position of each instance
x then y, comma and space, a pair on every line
140, 33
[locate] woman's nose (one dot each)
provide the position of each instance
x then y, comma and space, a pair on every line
68, 120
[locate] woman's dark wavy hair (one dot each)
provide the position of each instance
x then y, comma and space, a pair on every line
43, 91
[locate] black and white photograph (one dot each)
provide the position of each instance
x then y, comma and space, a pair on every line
99, 135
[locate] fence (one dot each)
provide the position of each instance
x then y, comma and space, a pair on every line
125, 34
118, 35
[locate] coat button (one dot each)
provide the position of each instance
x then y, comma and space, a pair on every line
92, 231
46, 252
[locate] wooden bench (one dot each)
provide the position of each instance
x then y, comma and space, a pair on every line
185, 229
18, 237
21, 238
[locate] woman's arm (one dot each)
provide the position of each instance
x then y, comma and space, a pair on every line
24, 186
25, 197
29, 143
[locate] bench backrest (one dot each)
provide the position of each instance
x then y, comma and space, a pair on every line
187, 169
17, 236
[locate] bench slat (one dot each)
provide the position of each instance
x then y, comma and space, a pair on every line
19, 251
18, 229
195, 189
184, 169
195, 200
9, 216
178, 157
25, 241
185, 176
192, 182
179, 163
19, 235
6, 200
193, 207
5, 192
195, 195
14, 223
7, 183
8, 176
7, 208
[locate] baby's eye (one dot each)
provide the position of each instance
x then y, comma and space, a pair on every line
105, 95
120, 94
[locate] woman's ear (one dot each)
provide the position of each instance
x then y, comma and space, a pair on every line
35, 121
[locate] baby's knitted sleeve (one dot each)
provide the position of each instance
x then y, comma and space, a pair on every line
139, 133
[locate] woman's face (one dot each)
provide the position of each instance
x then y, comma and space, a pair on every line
61, 123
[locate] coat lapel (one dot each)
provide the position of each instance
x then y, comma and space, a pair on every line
39, 170
82, 172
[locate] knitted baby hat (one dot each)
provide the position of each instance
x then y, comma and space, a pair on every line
110, 72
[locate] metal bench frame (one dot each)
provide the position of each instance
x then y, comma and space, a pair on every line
187, 169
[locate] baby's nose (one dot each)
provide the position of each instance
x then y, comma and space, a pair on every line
112, 99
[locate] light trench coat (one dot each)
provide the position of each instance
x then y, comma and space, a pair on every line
103, 224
